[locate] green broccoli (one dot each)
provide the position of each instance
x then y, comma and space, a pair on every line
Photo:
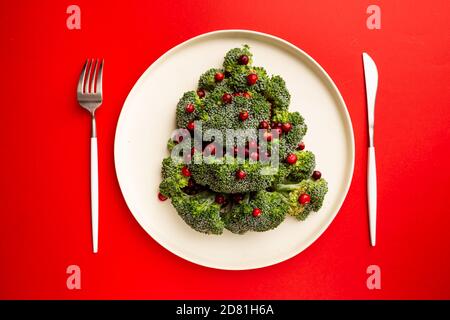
173, 180
221, 175
236, 106
207, 80
238, 80
278, 94
183, 117
225, 116
304, 167
290, 140
316, 190
231, 60
272, 210
200, 212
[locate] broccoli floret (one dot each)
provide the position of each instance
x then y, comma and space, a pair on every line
220, 175
278, 94
200, 212
290, 140
231, 60
226, 116
304, 167
273, 209
291, 192
207, 80
238, 80
182, 116
173, 180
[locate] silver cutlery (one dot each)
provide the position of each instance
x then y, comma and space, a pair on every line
90, 97
371, 80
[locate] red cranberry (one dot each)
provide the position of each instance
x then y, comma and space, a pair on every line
240, 174
185, 171
190, 108
227, 98
301, 146
274, 125
243, 115
252, 144
286, 127
291, 159
193, 150
211, 149
243, 59
252, 78
254, 156
191, 126
236, 94
246, 95
219, 76
201, 93
317, 175
161, 197
238, 197
256, 212
264, 124
220, 199
304, 198
268, 136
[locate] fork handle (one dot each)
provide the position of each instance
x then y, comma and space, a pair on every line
372, 194
94, 193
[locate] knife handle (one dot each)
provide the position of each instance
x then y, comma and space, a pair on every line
372, 194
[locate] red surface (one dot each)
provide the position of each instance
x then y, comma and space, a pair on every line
44, 185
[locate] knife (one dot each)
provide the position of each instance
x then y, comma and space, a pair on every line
371, 80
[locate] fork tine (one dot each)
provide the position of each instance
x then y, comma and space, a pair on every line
80, 87
99, 85
93, 77
87, 86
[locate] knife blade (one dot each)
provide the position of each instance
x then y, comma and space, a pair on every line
371, 81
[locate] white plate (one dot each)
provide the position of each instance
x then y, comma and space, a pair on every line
148, 118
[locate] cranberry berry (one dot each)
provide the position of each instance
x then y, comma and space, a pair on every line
247, 95
264, 125
304, 198
220, 199
268, 136
161, 197
243, 60
227, 98
190, 108
240, 174
286, 127
219, 76
301, 146
185, 171
238, 197
252, 78
317, 175
201, 93
256, 212
191, 126
243, 115
291, 159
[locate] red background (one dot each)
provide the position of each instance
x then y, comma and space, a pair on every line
44, 185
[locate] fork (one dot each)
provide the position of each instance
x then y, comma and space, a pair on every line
90, 97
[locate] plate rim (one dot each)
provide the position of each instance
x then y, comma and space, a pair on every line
337, 94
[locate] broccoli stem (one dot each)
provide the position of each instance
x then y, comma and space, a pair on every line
286, 187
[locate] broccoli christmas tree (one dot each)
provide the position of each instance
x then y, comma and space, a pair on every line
238, 161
